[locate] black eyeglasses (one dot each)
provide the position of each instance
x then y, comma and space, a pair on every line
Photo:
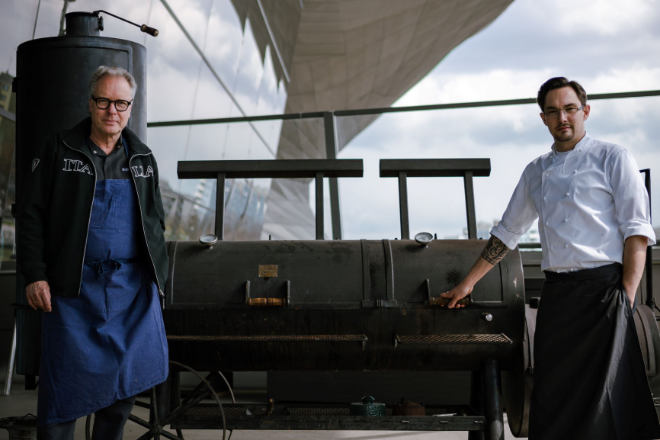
103, 103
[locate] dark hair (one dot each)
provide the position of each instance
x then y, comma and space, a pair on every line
557, 83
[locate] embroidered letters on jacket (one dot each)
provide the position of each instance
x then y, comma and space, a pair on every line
76, 166
139, 171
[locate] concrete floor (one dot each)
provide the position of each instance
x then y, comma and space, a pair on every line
21, 402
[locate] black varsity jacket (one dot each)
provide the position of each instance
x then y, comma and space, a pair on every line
53, 221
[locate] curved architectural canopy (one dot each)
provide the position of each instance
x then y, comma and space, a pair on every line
347, 54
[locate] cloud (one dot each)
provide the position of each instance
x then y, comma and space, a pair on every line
603, 17
493, 84
637, 76
576, 38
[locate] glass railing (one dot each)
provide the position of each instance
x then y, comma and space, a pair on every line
509, 133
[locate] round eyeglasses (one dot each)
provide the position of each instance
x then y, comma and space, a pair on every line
103, 103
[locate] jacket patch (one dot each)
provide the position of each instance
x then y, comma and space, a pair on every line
35, 164
140, 171
76, 166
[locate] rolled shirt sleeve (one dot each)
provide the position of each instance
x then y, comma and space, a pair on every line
631, 202
520, 214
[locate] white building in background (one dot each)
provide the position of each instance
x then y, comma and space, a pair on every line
234, 58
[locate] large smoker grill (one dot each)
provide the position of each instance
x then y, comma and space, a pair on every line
339, 305
343, 305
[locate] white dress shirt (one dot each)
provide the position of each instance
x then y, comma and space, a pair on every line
587, 201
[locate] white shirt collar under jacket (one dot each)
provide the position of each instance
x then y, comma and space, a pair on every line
587, 201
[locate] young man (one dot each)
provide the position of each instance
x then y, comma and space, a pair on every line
593, 219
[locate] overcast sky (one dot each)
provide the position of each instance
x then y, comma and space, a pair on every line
606, 45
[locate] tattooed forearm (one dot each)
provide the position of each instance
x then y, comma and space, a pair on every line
494, 251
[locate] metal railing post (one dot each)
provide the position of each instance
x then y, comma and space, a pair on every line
330, 129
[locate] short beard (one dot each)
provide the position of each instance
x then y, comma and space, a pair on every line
564, 136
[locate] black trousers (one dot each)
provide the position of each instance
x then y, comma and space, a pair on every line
108, 424
589, 378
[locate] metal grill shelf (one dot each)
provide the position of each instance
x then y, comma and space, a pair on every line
468, 338
207, 418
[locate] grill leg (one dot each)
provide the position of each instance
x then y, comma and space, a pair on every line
477, 401
10, 364
493, 407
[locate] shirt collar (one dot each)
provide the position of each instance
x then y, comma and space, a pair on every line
95, 149
580, 146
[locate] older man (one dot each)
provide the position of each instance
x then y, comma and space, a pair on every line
92, 251
593, 219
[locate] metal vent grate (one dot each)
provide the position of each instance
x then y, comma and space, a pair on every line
269, 338
461, 338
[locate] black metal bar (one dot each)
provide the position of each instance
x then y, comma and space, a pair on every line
282, 117
139, 421
403, 206
331, 153
220, 206
366, 278
200, 393
434, 167
389, 271
416, 108
495, 103
493, 409
469, 205
319, 206
465, 168
477, 400
198, 420
30, 382
381, 110
307, 168
620, 95
232, 169
153, 412
389, 299
650, 300
268, 339
163, 395
143, 27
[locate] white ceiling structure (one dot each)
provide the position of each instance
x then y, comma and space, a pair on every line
349, 54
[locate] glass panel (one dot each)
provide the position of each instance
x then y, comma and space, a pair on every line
511, 136
7, 170
7, 188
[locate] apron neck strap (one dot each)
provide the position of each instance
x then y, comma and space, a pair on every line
125, 145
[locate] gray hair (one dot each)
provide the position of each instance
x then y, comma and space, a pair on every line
102, 71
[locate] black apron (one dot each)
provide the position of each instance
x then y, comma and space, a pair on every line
589, 378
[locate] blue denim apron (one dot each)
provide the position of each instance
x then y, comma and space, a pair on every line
108, 343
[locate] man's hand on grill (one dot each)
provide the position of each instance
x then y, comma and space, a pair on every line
457, 294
